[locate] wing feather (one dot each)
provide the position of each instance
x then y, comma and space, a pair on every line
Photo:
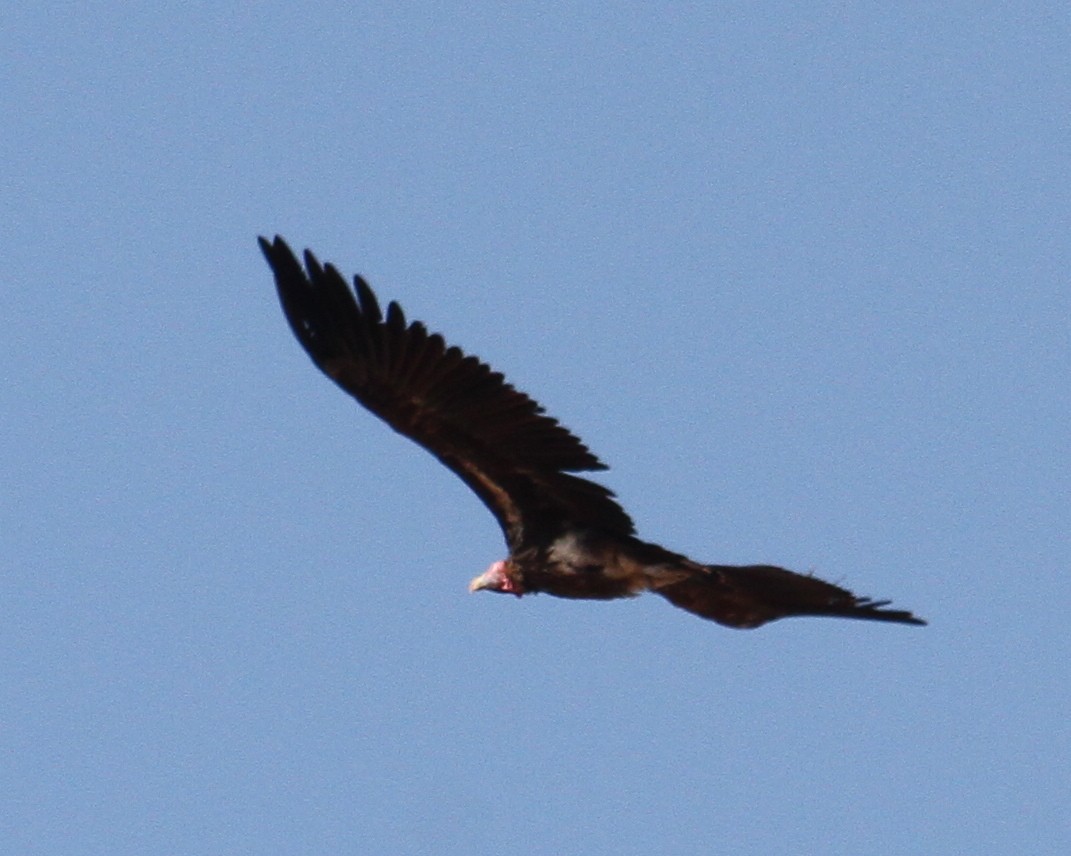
499, 441
747, 596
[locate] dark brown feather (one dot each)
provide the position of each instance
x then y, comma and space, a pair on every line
751, 595
499, 441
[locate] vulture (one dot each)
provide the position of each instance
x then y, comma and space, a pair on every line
567, 535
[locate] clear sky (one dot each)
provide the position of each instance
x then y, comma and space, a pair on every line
797, 272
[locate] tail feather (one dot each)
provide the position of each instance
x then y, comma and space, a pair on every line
751, 595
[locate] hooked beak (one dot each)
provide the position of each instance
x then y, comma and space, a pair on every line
497, 578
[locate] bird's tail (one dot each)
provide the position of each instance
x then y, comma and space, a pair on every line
747, 596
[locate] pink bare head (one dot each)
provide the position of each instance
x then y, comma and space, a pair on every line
499, 577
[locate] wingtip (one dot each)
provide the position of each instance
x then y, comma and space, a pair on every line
896, 616
273, 247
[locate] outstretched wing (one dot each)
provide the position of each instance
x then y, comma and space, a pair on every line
751, 595
499, 441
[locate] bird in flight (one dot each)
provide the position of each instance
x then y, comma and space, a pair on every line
567, 536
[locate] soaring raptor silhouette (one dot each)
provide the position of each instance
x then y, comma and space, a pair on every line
567, 536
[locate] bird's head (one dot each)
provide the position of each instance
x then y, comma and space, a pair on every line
499, 577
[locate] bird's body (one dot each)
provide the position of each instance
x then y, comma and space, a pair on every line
584, 563
567, 536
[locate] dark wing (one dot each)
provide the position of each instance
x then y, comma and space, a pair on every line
497, 439
752, 595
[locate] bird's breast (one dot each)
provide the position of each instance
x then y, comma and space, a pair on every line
581, 564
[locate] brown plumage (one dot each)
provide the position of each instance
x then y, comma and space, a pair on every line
567, 535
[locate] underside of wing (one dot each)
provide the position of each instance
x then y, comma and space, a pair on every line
497, 439
751, 595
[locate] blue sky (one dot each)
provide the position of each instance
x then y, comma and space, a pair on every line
798, 273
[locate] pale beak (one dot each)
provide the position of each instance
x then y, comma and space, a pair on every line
483, 581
